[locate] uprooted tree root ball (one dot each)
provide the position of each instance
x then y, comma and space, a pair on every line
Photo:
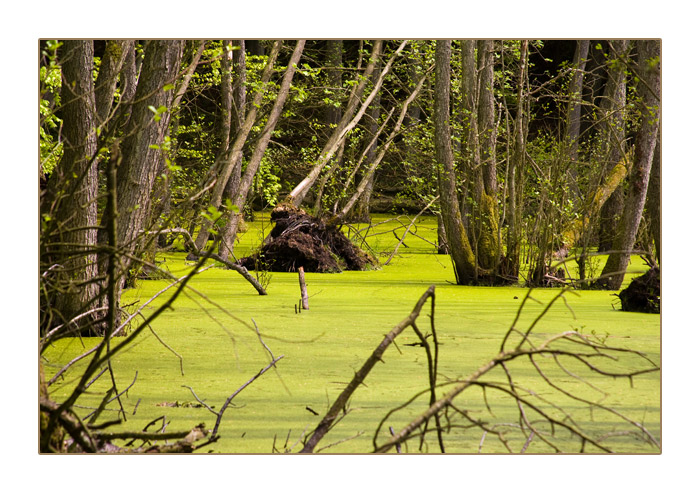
643, 294
301, 240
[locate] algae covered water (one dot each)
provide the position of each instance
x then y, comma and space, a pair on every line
208, 344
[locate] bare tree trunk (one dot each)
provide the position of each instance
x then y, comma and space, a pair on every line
348, 122
235, 123
516, 178
236, 151
71, 199
573, 120
487, 218
458, 243
471, 161
333, 113
141, 153
654, 199
129, 79
234, 216
613, 139
161, 195
648, 71
111, 65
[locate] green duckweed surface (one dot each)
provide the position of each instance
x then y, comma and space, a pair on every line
350, 313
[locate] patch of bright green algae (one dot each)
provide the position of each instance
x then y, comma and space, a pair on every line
323, 347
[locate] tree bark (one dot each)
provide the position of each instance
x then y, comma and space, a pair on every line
458, 243
348, 122
333, 112
106, 83
141, 153
71, 198
128, 79
236, 112
470, 162
612, 139
573, 120
486, 225
648, 71
235, 152
517, 171
654, 199
246, 182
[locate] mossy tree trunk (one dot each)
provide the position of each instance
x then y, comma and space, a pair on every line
458, 243
517, 171
612, 138
648, 71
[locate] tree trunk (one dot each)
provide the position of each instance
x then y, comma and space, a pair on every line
128, 79
348, 122
573, 119
470, 162
517, 171
141, 155
236, 111
71, 198
333, 113
612, 140
487, 202
229, 163
648, 71
654, 199
458, 243
235, 216
111, 65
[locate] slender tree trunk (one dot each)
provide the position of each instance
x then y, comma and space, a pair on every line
128, 79
573, 119
348, 122
161, 195
237, 117
236, 150
71, 198
487, 222
333, 113
458, 243
654, 199
648, 71
612, 138
471, 161
234, 217
111, 65
515, 180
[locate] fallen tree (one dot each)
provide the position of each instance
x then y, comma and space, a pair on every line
300, 240
643, 294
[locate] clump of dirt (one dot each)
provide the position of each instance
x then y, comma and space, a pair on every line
300, 240
643, 294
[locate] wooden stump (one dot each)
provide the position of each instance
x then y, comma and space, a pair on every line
302, 286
